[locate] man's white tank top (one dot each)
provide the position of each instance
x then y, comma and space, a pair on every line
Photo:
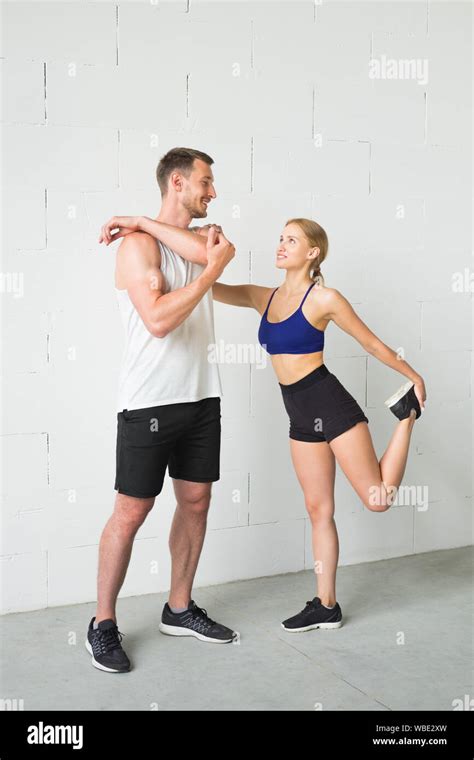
173, 369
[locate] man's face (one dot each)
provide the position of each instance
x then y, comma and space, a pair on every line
198, 189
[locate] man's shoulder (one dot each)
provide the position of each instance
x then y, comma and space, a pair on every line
140, 240
139, 245
137, 256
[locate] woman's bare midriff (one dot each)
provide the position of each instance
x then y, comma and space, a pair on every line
289, 368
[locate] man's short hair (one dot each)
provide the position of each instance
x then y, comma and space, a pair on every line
181, 159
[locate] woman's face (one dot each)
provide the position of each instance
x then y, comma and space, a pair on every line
293, 251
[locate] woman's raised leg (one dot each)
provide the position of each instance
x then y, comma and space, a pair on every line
375, 483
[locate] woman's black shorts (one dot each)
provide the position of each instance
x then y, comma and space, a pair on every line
319, 407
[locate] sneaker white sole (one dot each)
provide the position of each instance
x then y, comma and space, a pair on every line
97, 664
173, 630
398, 394
312, 627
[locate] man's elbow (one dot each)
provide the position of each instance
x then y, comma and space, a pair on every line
158, 330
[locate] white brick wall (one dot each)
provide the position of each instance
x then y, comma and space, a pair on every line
279, 94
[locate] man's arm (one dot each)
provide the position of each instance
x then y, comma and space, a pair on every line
188, 244
162, 312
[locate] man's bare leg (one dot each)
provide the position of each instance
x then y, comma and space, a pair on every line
187, 537
115, 549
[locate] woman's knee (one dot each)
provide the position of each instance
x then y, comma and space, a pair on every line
320, 511
380, 497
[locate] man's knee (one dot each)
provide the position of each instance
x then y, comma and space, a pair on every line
130, 511
196, 500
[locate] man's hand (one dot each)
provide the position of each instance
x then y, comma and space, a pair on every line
219, 251
124, 224
205, 229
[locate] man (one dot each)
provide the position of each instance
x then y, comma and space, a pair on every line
168, 408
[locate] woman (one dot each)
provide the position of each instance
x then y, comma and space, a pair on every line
326, 422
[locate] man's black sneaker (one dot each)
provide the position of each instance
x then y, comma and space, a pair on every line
403, 401
103, 643
194, 622
314, 615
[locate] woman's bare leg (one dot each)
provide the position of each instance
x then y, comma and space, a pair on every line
393, 462
315, 468
374, 482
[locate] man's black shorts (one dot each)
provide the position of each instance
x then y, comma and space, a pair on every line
186, 437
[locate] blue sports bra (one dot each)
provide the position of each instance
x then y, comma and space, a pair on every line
294, 335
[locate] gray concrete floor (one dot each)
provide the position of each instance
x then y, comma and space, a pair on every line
406, 644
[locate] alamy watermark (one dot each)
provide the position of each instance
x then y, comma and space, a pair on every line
237, 353
48, 734
401, 496
399, 68
12, 282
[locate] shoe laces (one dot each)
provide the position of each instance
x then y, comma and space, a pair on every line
109, 639
202, 613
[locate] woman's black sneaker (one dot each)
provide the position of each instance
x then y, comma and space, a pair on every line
403, 401
103, 643
314, 615
194, 622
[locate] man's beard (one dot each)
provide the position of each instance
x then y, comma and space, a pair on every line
198, 213
195, 211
